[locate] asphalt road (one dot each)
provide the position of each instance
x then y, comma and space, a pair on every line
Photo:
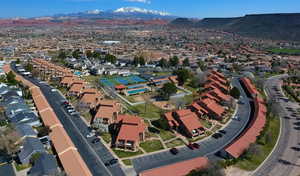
208, 147
94, 155
284, 160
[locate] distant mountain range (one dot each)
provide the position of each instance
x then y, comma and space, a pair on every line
121, 13
284, 26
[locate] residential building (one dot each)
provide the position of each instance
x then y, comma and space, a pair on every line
31, 146
131, 131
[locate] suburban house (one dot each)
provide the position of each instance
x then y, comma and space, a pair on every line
46, 164
76, 88
31, 146
189, 123
131, 131
89, 98
106, 114
25, 130
215, 110
67, 80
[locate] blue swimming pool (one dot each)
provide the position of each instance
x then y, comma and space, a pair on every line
132, 92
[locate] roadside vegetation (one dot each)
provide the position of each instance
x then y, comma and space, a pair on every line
285, 51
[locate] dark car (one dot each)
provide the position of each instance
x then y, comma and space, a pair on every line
222, 131
65, 103
217, 135
111, 162
190, 146
174, 151
96, 140
196, 146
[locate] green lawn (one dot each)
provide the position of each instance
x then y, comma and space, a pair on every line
216, 127
175, 143
252, 162
150, 111
20, 167
106, 137
88, 117
125, 154
152, 146
206, 123
166, 135
127, 162
285, 51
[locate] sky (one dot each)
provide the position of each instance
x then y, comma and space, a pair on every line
182, 8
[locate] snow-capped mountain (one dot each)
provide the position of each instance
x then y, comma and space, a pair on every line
139, 10
95, 12
121, 13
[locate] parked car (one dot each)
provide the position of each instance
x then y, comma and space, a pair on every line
91, 134
196, 146
111, 162
71, 110
190, 146
174, 151
64, 102
217, 135
222, 131
74, 113
95, 141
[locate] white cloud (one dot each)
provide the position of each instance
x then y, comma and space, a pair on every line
141, 1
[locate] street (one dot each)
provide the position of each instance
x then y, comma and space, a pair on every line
284, 160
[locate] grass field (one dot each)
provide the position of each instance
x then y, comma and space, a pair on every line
175, 143
152, 146
124, 154
149, 112
285, 51
166, 135
106, 137
127, 162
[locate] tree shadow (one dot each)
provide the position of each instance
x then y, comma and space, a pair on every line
297, 128
296, 148
297, 123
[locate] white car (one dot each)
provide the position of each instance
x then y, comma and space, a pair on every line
53, 90
71, 110
91, 134
74, 113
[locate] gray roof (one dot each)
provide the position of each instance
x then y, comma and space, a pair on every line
45, 165
25, 130
14, 109
7, 170
30, 146
24, 117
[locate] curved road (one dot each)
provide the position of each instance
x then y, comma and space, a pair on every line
208, 147
284, 160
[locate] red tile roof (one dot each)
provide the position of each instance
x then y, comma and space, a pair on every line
177, 169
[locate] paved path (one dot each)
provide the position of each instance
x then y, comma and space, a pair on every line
208, 146
284, 160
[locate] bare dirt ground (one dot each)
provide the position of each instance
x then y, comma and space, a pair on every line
234, 171
164, 105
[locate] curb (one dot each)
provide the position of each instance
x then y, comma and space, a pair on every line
278, 138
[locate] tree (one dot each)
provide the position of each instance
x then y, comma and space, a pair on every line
89, 54
195, 82
174, 61
167, 90
29, 67
139, 60
11, 78
163, 63
18, 61
110, 58
34, 158
9, 140
62, 54
235, 93
254, 149
76, 54
182, 75
186, 62
202, 65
